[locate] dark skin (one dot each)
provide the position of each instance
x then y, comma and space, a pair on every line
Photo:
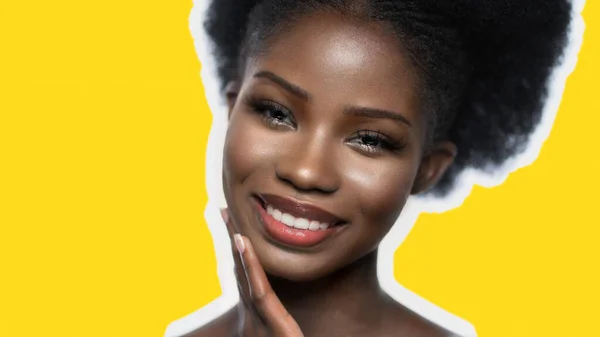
329, 115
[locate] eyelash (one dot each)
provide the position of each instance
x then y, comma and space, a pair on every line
383, 143
266, 108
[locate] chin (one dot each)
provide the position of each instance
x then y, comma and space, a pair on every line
295, 274
292, 266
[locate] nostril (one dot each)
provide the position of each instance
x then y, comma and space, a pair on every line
311, 170
305, 185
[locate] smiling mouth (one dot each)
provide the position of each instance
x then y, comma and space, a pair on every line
296, 223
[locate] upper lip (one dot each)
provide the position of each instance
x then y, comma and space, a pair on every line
299, 209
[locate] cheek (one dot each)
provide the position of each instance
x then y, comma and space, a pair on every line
246, 150
382, 189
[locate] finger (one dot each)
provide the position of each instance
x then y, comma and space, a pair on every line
228, 222
231, 230
262, 295
239, 267
242, 281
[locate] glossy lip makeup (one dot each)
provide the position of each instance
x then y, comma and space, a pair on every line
296, 223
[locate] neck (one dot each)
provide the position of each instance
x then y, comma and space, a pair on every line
342, 299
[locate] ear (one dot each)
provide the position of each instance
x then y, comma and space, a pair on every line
232, 90
433, 166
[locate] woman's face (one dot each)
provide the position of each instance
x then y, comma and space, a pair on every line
324, 146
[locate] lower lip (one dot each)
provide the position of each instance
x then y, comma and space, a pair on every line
292, 236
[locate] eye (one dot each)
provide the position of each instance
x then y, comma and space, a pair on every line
273, 113
277, 115
373, 142
370, 140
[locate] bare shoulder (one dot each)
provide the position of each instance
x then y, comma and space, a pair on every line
224, 326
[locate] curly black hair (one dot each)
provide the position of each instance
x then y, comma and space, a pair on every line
485, 65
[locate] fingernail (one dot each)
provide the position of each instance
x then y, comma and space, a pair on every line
225, 215
239, 243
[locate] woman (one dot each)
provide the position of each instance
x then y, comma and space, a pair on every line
339, 111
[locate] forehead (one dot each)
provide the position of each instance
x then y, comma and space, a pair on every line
343, 61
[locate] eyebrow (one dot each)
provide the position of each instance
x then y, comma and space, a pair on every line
376, 113
280, 81
351, 110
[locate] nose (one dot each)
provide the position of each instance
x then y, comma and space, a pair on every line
309, 165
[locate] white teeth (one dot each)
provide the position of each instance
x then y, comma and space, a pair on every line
277, 215
288, 219
299, 223
314, 225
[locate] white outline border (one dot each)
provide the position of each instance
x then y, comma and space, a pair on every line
415, 206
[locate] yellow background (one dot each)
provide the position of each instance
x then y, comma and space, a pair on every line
103, 128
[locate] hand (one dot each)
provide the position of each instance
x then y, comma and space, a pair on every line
256, 292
